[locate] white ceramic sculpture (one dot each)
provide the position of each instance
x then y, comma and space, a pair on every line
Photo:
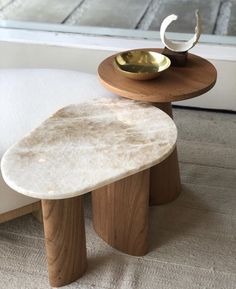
179, 46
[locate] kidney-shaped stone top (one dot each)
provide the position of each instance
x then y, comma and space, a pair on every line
86, 146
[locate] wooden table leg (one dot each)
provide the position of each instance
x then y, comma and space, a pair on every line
65, 240
165, 183
120, 213
165, 106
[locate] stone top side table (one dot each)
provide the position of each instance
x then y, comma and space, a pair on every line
82, 148
175, 84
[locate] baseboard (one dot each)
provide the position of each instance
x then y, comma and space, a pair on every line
20, 212
204, 109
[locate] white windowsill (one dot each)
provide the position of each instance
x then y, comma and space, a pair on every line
208, 50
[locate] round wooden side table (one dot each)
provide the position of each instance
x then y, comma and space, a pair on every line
175, 84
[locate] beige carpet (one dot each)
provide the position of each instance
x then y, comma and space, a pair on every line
193, 240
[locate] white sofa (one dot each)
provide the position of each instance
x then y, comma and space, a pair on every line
28, 96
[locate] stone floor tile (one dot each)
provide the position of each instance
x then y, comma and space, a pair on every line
185, 10
109, 13
52, 11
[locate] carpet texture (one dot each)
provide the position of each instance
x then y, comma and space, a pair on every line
192, 240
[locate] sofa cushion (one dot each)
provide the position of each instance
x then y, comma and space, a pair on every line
29, 96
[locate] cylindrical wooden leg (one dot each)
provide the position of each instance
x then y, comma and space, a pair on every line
165, 183
165, 106
65, 240
120, 213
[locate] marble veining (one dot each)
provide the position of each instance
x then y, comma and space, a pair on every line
85, 146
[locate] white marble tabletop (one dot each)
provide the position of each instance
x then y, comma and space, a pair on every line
86, 146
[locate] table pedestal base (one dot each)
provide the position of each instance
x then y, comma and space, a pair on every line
65, 240
165, 183
120, 213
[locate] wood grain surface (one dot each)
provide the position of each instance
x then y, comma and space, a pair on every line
165, 185
120, 213
65, 240
165, 106
174, 84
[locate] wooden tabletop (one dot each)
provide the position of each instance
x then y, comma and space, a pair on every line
176, 83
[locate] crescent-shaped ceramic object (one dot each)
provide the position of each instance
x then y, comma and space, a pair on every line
179, 46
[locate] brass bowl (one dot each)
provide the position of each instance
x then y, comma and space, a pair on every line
141, 64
